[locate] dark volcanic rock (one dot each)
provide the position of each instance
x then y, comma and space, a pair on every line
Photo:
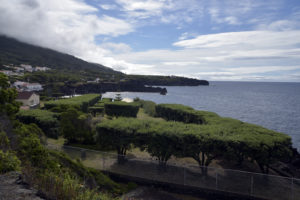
12, 188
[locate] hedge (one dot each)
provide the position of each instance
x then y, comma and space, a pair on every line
120, 108
148, 106
177, 112
46, 120
83, 102
94, 110
232, 138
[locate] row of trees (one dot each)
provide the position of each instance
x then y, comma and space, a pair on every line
203, 143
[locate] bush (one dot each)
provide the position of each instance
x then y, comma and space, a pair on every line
8, 162
75, 126
46, 120
64, 186
177, 112
201, 142
4, 141
106, 100
148, 106
82, 102
94, 110
119, 108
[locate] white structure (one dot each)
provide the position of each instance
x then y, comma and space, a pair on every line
24, 86
28, 98
19, 69
6, 72
33, 87
42, 69
19, 85
28, 68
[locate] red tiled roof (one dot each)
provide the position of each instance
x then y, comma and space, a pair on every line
24, 95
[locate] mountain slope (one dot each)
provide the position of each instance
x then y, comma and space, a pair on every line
16, 52
67, 67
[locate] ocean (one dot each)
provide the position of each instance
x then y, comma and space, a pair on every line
273, 105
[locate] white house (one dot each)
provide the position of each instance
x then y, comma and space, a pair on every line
25, 86
33, 87
42, 69
27, 67
30, 99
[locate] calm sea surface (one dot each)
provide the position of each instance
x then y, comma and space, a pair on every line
272, 105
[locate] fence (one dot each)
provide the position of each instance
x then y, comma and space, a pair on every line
232, 181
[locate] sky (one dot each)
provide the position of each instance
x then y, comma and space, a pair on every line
224, 40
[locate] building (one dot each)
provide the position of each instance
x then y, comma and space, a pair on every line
42, 69
6, 72
28, 68
25, 86
10, 73
30, 99
33, 87
19, 69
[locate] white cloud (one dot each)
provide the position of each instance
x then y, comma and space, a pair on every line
69, 26
116, 48
232, 20
251, 39
247, 55
108, 6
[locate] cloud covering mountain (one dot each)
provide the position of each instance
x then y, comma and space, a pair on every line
214, 40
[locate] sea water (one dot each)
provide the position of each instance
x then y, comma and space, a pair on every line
273, 105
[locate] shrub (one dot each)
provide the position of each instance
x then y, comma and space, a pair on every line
64, 186
83, 102
8, 162
124, 109
177, 112
4, 141
106, 100
94, 110
46, 120
75, 126
148, 106
201, 142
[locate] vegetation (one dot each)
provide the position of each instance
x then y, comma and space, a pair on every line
167, 80
95, 109
46, 120
8, 105
53, 174
119, 108
9, 162
13, 51
177, 112
148, 106
201, 142
67, 69
75, 126
82, 102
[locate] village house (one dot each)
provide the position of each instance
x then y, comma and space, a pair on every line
33, 87
19, 69
9, 73
28, 68
42, 69
29, 99
25, 86
6, 72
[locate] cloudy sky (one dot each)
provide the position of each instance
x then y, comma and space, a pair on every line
248, 40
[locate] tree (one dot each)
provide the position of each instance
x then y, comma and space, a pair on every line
118, 97
75, 126
8, 105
